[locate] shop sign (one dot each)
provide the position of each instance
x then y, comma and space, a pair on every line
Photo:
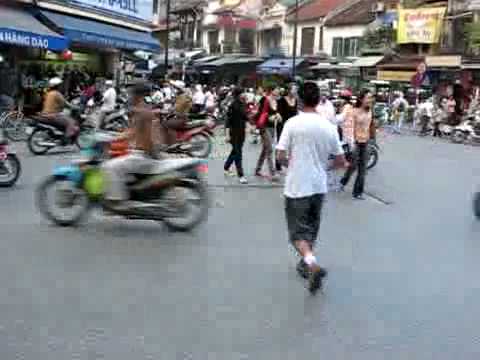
23, 38
108, 42
420, 26
389, 75
136, 9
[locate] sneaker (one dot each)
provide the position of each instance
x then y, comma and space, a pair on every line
302, 269
315, 279
243, 180
358, 197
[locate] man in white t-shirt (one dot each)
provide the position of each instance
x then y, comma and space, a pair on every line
309, 141
109, 102
327, 110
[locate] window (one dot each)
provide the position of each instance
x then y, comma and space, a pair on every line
320, 42
345, 47
308, 39
155, 6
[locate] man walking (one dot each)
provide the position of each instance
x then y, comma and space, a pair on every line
308, 140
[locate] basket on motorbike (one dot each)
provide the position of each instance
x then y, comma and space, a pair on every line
118, 148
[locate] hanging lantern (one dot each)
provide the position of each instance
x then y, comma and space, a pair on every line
66, 55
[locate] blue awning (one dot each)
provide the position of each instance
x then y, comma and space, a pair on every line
278, 66
100, 34
18, 27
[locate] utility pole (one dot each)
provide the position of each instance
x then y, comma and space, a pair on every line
167, 41
295, 31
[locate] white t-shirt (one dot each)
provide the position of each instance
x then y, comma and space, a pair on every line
199, 98
327, 110
167, 93
309, 140
210, 99
109, 100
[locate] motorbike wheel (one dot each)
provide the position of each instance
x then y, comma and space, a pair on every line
476, 205
201, 146
116, 125
84, 139
67, 198
187, 219
372, 157
14, 169
458, 137
15, 127
35, 138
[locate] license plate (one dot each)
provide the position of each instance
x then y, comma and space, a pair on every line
29, 130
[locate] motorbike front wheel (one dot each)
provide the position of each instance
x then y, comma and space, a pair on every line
15, 127
201, 146
189, 202
458, 137
372, 157
61, 192
36, 139
10, 170
476, 205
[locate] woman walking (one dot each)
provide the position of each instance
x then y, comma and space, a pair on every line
287, 108
362, 131
265, 122
235, 134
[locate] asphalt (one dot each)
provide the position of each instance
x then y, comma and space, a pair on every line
403, 271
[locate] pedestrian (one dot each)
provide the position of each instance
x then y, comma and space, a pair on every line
400, 108
451, 105
235, 134
266, 120
287, 108
362, 132
326, 108
308, 140
210, 100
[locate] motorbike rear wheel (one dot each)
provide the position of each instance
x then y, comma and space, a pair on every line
13, 170
15, 127
34, 140
372, 157
201, 146
476, 205
67, 198
186, 221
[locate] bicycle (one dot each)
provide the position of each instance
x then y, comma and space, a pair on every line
14, 125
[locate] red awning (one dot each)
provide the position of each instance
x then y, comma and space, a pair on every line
229, 21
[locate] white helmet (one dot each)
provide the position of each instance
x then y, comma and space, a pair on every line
54, 82
109, 83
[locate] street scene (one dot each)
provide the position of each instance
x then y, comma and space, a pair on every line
239, 179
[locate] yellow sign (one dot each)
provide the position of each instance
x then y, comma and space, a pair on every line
420, 26
390, 75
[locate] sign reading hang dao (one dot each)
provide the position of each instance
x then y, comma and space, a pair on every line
23, 38
135, 9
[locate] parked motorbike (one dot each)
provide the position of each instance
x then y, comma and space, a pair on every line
373, 154
476, 205
199, 134
44, 136
174, 192
10, 167
468, 131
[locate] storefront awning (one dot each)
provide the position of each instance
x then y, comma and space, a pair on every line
18, 27
278, 66
444, 61
367, 61
329, 66
99, 34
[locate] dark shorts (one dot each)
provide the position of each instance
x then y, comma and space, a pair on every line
303, 217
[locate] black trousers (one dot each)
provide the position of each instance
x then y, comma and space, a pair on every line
236, 156
359, 164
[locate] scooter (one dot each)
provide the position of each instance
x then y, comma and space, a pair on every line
476, 205
173, 191
10, 167
199, 135
44, 136
468, 131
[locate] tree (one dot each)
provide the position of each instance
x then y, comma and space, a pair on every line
378, 38
473, 36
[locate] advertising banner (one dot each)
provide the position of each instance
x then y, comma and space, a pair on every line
420, 26
135, 9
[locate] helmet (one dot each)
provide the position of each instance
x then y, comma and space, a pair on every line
109, 83
54, 82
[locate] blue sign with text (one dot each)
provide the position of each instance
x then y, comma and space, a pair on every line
107, 41
135, 9
28, 39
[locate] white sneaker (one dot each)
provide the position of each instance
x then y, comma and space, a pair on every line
243, 180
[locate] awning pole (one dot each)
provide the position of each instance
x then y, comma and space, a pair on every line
295, 31
168, 38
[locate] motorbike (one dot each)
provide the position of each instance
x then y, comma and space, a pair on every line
44, 136
10, 167
476, 205
468, 131
199, 135
173, 192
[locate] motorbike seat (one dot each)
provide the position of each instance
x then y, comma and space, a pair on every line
193, 124
47, 122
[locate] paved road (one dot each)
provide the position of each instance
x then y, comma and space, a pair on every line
403, 278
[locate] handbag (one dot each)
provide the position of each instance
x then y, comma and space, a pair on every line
263, 118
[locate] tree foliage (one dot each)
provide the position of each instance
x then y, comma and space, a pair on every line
380, 37
473, 36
